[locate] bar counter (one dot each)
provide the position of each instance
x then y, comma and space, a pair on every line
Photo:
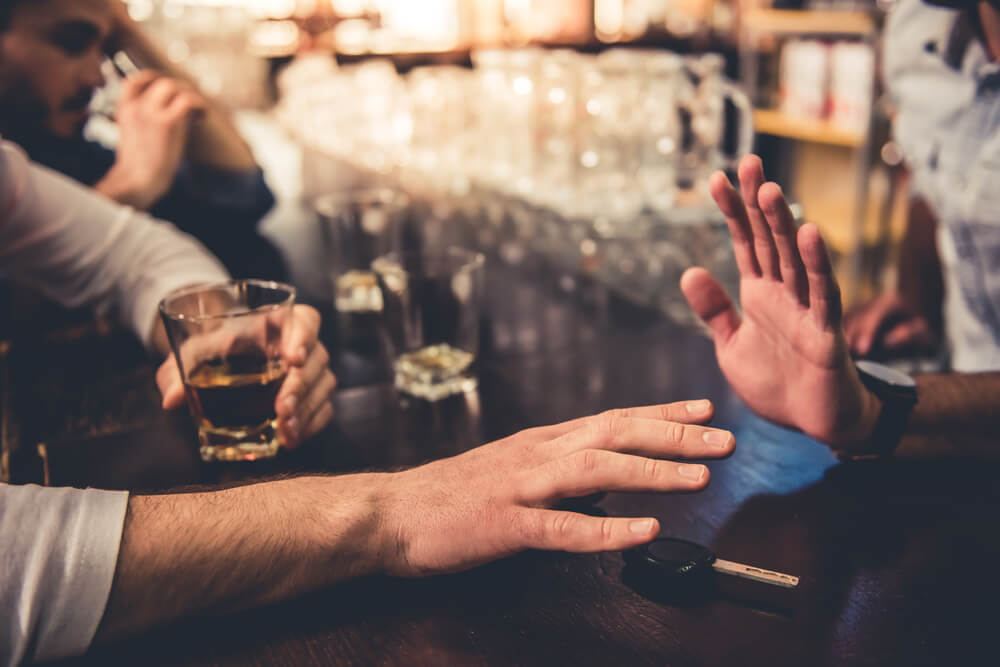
896, 559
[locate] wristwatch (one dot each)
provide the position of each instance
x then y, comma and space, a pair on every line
898, 393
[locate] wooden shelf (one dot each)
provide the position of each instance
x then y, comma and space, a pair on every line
770, 121
810, 22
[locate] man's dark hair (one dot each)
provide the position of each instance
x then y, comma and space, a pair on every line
6, 7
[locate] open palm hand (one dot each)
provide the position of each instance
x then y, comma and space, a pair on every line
787, 357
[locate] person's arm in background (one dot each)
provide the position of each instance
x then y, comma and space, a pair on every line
214, 140
908, 318
155, 117
787, 356
191, 168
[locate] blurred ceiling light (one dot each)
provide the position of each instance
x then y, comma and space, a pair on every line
352, 36
433, 22
274, 38
178, 51
516, 11
140, 10
635, 19
348, 8
609, 19
272, 9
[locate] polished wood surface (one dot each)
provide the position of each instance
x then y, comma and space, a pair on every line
895, 559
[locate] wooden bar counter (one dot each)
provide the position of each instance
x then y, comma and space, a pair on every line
896, 559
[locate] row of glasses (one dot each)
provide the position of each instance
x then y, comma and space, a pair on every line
586, 160
606, 136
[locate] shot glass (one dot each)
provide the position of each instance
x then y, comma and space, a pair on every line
433, 299
227, 339
359, 225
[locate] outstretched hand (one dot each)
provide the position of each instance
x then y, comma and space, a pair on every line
496, 500
786, 357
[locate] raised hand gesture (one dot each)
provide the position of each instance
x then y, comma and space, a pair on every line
787, 356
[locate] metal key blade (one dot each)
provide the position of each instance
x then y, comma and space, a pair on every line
755, 573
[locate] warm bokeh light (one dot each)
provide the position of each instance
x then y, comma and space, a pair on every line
429, 21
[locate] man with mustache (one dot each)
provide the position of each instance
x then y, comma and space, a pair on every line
179, 155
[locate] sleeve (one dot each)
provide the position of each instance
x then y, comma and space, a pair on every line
223, 210
81, 249
58, 555
243, 192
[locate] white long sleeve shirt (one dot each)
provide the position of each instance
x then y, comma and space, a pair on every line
59, 547
946, 90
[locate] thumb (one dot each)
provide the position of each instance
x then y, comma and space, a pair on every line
711, 303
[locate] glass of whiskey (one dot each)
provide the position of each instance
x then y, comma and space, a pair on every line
359, 225
432, 303
227, 339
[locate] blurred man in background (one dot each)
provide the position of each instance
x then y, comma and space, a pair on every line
786, 354
179, 155
941, 71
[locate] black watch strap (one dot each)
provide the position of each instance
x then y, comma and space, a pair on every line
898, 394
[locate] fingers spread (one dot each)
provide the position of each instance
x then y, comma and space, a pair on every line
731, 205
711, 303
578, 533
782, 224
594, 470
824, 292
688, 412
751, 179
650, 437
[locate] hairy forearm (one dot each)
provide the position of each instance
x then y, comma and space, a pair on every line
958, 415
214, 140
205, 553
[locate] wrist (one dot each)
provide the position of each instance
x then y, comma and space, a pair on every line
120, 185
352, 533
856, 437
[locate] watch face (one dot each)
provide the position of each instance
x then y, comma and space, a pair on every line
885, 374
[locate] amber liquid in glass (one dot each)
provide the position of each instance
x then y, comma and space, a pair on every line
232, 400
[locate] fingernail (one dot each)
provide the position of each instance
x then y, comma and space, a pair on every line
695, 472
717, 439
640, 526
291, 402
698, 407
293, 426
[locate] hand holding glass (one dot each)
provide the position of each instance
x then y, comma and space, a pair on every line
227, 340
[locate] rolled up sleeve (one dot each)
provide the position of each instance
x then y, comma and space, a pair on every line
81, 249
59, 552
